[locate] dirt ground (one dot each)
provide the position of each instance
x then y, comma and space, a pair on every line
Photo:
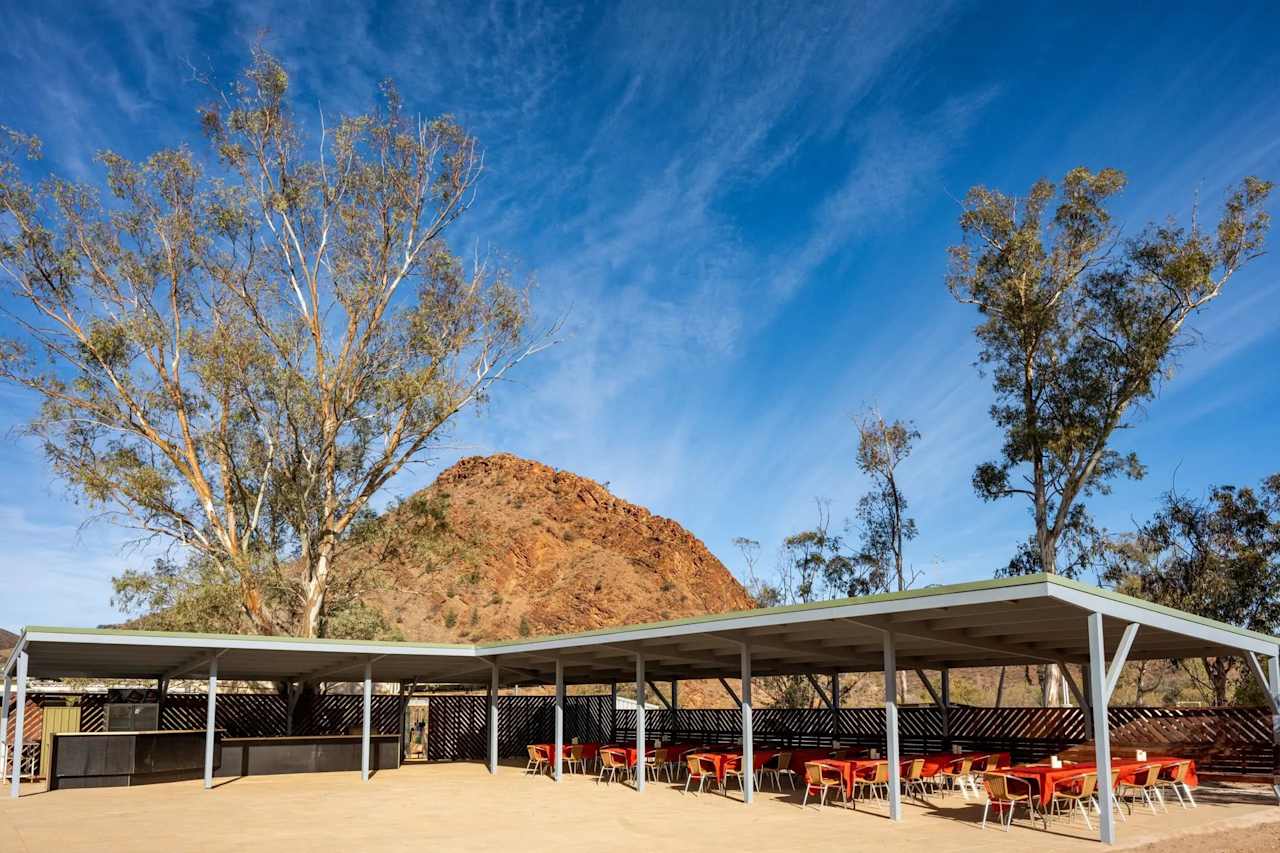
460, 807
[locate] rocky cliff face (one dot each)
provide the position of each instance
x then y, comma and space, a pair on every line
501, 547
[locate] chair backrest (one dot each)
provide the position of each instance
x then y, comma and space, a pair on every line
784, 761
881, 773
813, 772
694, 763
1149, 776
706, 765
610, 758
982, 763
962, 766
535, 754
660, 756
1178, 772
831, 775
997, 785
916, 769
733, 764
1088, 782
576, 752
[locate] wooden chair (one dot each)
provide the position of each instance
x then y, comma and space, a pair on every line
1076, 793
1009, 792
733, 770
700, 771
913, 779
611, 764
1174, 777
876, 785
574, 755
781, 769
1144, 786
538, 762
958, 774
820, 779
658, 762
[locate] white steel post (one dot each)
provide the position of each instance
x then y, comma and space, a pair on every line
368, 721
1098, 702
946, 709
493, 718
640, 740
891, 725
4, 723
210, 722
1273, 673
675, 711
559, 758
835, 705
748, 747
19, 720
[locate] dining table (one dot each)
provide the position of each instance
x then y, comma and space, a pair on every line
1047, 777
936, 762
851, 768
723, 760
589, 750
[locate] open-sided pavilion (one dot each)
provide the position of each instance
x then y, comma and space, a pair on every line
1034, 619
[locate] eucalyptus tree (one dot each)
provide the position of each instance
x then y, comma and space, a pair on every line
882, 512
1079, 326
1217, 557
234, 353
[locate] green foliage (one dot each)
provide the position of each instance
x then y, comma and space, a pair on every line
1217, 557
524, 628
187, 596
230, 356
882, 519
450, 618
1079, 326
355, 620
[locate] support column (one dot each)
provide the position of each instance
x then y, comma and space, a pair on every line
559, 736
1273, 670
748, 745
19, 720
946, 708
640, 739
613, 711
1087, 704
1101, 728
368, 721
493, 718
891, 725
675, 711
835, 706
4, 723
210, 722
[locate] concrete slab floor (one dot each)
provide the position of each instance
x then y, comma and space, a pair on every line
461, 807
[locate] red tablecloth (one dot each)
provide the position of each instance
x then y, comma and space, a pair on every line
1047, 777
850, 768
722, 760
674, 750
589, 750
936, 762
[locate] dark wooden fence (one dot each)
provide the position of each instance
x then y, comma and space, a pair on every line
458, 726
260, 714
1231, 741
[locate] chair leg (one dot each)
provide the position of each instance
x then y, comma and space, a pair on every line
985, 807
1187, 789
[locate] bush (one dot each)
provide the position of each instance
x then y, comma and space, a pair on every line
450, 618
524, 626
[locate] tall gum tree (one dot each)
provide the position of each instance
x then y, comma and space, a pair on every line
235, 354
1079, 326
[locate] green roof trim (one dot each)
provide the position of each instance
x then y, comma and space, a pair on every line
480, 648
269, 638
1158, 608
922, 592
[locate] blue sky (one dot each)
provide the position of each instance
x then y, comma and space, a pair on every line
743, 211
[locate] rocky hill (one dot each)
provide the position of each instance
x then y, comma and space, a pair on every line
500, 547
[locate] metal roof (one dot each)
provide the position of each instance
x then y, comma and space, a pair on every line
1011, 621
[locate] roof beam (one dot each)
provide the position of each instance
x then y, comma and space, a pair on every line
822, 694
729, 690
322, 674
1011, 649
810, 652
658, 693
194, 663
928, 685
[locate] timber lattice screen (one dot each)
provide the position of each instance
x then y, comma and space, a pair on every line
261, 714
458, 726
